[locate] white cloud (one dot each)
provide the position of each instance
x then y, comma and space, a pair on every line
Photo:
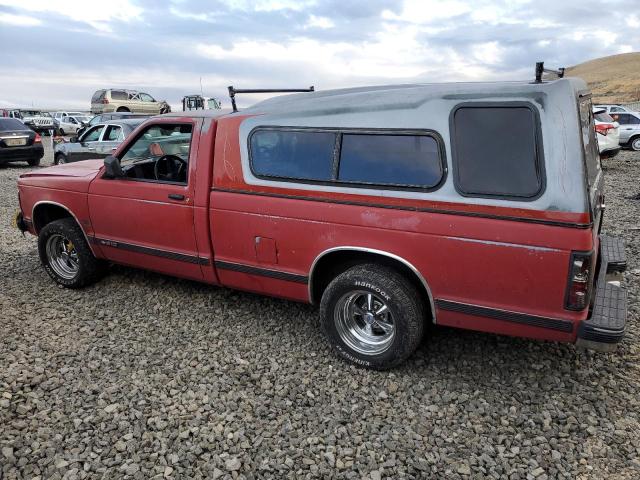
319, 22
21, 20
427, 11
269, 5
96, 14
488, 52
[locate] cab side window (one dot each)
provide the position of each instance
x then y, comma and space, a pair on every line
627, 119
160, 153
112, 134
93, 135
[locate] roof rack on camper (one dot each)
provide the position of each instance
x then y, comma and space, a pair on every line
540, 70
233, 91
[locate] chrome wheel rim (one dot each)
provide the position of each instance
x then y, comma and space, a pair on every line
364, 322
636, 144
62, 256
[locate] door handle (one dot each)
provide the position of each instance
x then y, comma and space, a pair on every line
91, 149
176, 196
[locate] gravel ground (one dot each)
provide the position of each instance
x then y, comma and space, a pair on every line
144, 376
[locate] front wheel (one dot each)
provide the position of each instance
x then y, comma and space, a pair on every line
635, 144
66, 256
60, 159
372, 316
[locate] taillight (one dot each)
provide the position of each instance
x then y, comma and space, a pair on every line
38, 138
105, 100
579, 286
603, 128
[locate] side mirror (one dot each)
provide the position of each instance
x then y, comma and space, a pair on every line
112, 168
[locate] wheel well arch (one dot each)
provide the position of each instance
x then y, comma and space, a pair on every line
47, 212
334, 261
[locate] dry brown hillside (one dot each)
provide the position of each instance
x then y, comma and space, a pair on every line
614, 79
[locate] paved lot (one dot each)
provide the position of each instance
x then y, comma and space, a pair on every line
143, 375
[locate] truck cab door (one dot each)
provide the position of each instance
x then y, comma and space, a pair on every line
146, 218
111, 138
87, 144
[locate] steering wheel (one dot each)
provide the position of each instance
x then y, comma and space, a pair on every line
174, 167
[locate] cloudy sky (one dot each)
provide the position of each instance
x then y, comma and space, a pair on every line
56, 54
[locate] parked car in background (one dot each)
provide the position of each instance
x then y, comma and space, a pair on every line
119, 100
18, 143
608, 133
614, 108
58, 115
97, 142
105, 117
37, 120
71, 124
10, 113
629, 129
391, 208
198, 102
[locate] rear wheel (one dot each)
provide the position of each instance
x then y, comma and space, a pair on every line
372, 316
122, 109
33, 162
59, 159
634, 143
61, 130
66, 256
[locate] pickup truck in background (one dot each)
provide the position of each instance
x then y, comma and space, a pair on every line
464, 205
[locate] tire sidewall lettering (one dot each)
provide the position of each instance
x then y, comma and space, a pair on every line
374, 288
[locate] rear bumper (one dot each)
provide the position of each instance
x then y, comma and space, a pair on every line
610, 152
606, 325
21, 154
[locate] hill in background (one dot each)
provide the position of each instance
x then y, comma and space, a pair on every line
614, 79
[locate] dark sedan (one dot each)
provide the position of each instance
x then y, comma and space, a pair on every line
18, 143
98, 141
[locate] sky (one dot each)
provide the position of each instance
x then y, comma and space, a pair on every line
56, 54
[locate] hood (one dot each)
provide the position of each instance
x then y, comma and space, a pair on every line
85, 168
72, 177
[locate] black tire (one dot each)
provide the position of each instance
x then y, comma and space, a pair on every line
61, 130
122, 109
404, 306
33, 162
60, 159
89, 269
634, 143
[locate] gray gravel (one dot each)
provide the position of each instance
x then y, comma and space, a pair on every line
145, 376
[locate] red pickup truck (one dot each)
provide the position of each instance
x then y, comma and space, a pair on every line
468, 205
